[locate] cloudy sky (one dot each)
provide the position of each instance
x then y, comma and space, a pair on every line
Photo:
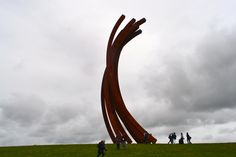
177, 76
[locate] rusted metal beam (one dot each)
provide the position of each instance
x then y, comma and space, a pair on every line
112, 102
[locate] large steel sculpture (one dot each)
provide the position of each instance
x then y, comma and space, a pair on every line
113, 106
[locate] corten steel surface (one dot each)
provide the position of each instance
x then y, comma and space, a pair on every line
113, 107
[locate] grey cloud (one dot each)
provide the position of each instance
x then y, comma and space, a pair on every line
44, 123
217, 65
76, 130
25, 110
195, 90
53, 55
205, 82
68, 123
227, 130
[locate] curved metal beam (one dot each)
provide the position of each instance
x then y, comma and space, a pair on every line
113, 106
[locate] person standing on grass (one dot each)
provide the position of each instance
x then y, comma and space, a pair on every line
101, 148
145, 137
181, 140
118, 141
173, 138
123, 142
170, 138
188, 138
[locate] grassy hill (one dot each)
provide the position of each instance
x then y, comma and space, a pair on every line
133, 150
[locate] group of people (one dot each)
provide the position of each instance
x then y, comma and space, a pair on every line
121, 141
172, 137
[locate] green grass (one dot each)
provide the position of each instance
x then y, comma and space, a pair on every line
134, 150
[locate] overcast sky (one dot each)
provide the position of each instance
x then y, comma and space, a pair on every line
177, 76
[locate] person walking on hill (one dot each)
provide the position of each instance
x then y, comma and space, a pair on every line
181, 140
188, 138
101, 148
172, 138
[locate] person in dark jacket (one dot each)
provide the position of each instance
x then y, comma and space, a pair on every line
181, 140
188, 138
145, 137
172, 138
118, 141
101, 148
